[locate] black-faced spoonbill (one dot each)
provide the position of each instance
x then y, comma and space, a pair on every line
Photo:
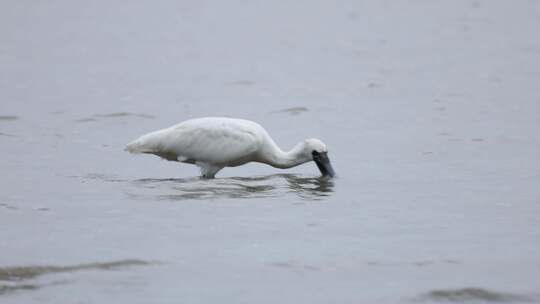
213, 143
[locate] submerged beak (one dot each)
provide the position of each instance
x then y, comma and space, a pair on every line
323, 163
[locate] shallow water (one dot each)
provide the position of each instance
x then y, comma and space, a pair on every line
431, 113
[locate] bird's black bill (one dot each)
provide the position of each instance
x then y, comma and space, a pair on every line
323, 163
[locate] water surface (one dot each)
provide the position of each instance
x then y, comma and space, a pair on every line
430, 111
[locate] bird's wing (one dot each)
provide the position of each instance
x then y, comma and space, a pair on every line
216, 143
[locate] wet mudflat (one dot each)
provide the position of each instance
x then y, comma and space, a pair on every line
431, 113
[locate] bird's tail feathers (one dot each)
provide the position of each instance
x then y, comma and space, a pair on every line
136, 147
141, 145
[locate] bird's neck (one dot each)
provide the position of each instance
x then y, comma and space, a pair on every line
285, 159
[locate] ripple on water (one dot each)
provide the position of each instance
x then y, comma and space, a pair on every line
97, 117
472, 294
293, 110
240, 83
7, 288
270, 186
8, 117
13, 278
15, 273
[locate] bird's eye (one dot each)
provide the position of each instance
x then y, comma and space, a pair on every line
315, 153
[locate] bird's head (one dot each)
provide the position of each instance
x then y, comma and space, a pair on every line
316, 150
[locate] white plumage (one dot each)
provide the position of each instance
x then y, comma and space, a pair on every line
213, 143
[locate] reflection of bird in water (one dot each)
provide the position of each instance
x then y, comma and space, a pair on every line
270, 186
213, 143
311, 186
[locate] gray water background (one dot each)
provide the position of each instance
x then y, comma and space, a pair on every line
430, 109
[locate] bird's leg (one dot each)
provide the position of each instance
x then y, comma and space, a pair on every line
208, 170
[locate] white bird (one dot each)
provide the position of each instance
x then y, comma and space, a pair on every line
213, 143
